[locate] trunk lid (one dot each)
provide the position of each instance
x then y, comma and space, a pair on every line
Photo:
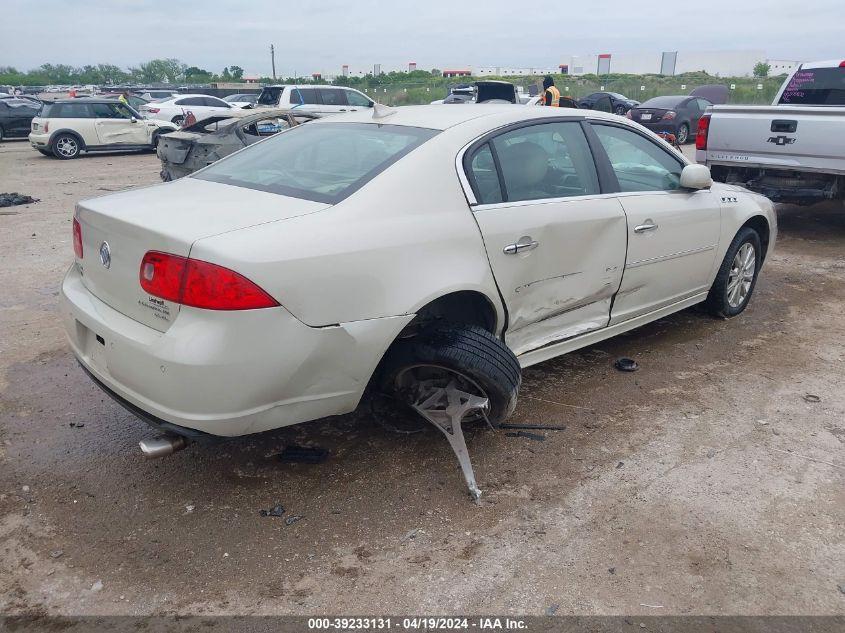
118, 229
648, 115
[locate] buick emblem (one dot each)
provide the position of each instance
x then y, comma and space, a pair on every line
105, 254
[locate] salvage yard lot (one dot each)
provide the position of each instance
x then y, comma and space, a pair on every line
707, 482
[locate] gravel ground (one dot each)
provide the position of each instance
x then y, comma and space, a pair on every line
706, 483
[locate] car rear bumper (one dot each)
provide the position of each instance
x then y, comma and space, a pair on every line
39, 141
224, 373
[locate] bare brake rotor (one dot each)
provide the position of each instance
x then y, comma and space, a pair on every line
446, 407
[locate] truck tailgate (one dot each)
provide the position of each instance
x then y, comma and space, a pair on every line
784, 137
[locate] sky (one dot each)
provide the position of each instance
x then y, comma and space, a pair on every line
321, 36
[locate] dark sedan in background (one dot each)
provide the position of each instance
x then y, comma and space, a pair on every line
608, 102
16, 117
676, 115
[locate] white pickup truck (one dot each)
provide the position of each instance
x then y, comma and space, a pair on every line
792, 151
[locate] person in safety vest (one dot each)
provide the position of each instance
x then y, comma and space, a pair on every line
551, 95
124, 97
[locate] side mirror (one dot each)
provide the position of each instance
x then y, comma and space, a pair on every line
696, 177
134, 120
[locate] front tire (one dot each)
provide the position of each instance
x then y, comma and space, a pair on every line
178, 120
465, 358
620, 110
66, 147
737, 276
683, 134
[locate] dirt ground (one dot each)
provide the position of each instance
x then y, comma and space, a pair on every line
706, 483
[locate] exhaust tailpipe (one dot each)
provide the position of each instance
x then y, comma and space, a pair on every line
161, 446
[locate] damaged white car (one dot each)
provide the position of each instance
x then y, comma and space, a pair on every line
429, 251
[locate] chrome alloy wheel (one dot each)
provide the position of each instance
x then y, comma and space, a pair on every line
67, 146
741, 275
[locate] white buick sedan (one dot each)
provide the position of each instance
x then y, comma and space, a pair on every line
430, 252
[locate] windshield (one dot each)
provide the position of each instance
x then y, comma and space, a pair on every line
663, 102
324, 163
815, 86
270, 96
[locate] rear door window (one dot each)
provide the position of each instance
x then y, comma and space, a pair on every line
304, 96
546, 161
333, 96
815, 86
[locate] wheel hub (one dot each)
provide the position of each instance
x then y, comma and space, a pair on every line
741, 275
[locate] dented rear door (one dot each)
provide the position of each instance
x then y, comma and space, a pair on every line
558, 257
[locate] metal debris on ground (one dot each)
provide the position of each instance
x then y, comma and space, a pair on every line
626, 364
12, 199
534, 427
293, 519
303, 455
77, 425
809, 397
531, 436
276, 511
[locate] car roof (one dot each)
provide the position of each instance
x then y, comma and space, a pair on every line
308, 86
444, 116
81, 100
829, 63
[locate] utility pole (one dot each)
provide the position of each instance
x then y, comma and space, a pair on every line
273, 60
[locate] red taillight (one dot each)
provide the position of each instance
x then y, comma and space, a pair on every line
77, 238
703, 129
154, 110
200, 284
668, 116
842, 64
47, 126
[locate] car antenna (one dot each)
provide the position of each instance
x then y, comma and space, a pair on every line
382, 111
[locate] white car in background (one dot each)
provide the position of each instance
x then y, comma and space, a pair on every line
175, 109
67, 127
154, 95
243, 100
317, 99
429, 251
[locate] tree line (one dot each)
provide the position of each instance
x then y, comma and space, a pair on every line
154, 71
171, 71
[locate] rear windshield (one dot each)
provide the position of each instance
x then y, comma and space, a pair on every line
815, 86
269, 96
662, 102
325, 163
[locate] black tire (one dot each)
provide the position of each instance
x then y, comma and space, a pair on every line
468, 350
154, 141
620, 110
1, 133
718, 302
683, 134
178, 120
66, 146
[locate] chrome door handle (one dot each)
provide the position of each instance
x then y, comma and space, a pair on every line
522, 245
648, 226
